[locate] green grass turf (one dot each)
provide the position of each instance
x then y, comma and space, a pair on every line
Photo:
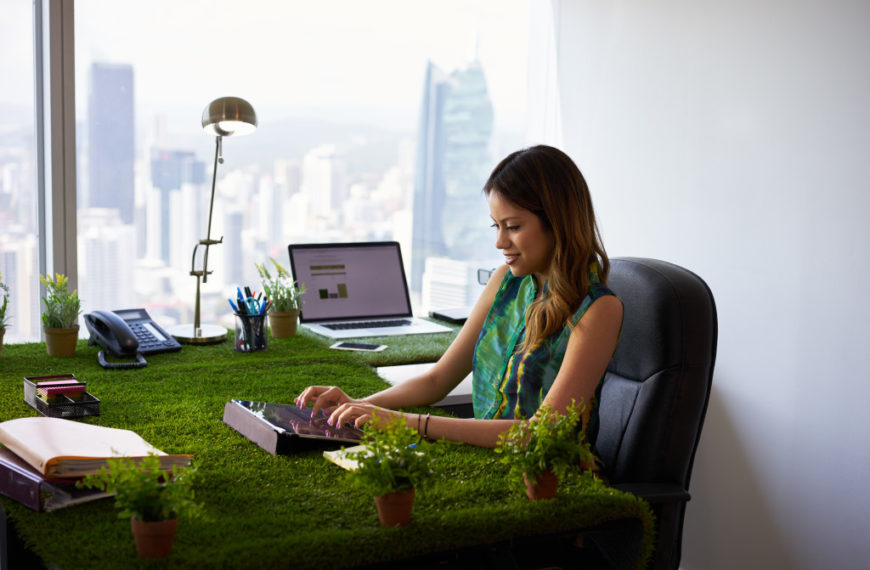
268, 511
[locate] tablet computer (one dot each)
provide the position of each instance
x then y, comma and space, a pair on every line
283, 428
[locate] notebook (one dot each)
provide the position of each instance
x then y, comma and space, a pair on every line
355, 290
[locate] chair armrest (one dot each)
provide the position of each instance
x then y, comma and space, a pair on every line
656, 492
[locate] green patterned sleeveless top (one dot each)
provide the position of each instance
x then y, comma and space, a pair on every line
509, 384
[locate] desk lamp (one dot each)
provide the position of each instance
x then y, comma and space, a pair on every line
222, 117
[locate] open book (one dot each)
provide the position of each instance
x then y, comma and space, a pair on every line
65, 448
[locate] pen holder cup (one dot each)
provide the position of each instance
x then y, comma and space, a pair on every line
250, 332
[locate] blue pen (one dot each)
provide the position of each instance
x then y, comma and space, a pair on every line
233, 305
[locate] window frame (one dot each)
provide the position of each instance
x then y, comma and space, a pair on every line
54, 92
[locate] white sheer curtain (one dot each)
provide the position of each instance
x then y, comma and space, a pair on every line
544, 124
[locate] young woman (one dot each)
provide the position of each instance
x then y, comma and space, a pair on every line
544, 328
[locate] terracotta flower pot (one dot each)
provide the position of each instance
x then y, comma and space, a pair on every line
153, 539
394, 509
543, 487
61, 342
283, 323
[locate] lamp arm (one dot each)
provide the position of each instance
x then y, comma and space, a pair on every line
218, 158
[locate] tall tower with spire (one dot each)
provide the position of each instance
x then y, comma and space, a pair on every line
456, 124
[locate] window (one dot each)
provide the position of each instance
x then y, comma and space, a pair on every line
377, 120
19, 233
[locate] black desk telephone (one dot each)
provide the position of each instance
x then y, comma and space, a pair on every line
127, 334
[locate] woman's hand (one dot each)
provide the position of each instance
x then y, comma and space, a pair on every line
325, 398
358, 412
341, 409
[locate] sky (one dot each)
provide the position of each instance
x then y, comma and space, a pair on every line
284, 55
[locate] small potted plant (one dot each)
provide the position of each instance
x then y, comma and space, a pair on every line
545, 449
61, 315
393, 463
284, 299
4, 303
151, 498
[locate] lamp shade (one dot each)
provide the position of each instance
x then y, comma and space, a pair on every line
229, 116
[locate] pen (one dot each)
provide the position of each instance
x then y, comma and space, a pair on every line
233, 305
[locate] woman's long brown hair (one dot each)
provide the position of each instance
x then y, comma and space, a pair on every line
545, 181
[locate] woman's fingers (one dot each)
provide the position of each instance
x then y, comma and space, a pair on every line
323, 397
358, 414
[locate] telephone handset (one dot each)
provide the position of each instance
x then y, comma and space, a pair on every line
127, 334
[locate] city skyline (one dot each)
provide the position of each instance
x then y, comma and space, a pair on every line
363, 205
358, 141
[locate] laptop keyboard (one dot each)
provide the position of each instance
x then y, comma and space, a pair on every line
367, 324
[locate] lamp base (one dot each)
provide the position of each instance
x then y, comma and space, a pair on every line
207, 334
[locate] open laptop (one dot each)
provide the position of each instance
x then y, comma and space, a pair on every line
355, 290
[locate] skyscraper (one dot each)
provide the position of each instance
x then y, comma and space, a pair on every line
169, 170
110, 140
456, 123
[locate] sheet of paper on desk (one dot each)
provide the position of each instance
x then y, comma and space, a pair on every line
341, 457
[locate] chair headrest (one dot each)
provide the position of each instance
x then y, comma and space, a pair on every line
668, 314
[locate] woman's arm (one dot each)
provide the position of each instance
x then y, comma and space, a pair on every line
589, 350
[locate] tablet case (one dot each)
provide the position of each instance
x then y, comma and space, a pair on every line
268, 426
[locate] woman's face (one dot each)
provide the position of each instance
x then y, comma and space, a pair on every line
521, 236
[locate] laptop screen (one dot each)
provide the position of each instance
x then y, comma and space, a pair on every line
350, 281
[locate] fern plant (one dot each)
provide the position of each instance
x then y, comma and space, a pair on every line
395, 458
62, 307
144, 491
549, 442
4, 303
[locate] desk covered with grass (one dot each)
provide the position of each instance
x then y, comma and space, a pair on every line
267, 511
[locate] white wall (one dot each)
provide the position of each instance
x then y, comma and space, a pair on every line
733, 138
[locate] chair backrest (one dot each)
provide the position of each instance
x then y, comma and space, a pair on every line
655, 392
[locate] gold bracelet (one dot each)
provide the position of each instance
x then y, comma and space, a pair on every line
426, 427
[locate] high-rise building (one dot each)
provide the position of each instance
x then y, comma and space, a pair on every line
110, 140
323, 182
106, 257
456, 123
169, 170
18, 266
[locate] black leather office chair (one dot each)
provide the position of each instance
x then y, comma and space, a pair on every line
655, 392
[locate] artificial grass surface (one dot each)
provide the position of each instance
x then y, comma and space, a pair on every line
276, 512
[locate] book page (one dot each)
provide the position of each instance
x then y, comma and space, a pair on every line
67, 448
